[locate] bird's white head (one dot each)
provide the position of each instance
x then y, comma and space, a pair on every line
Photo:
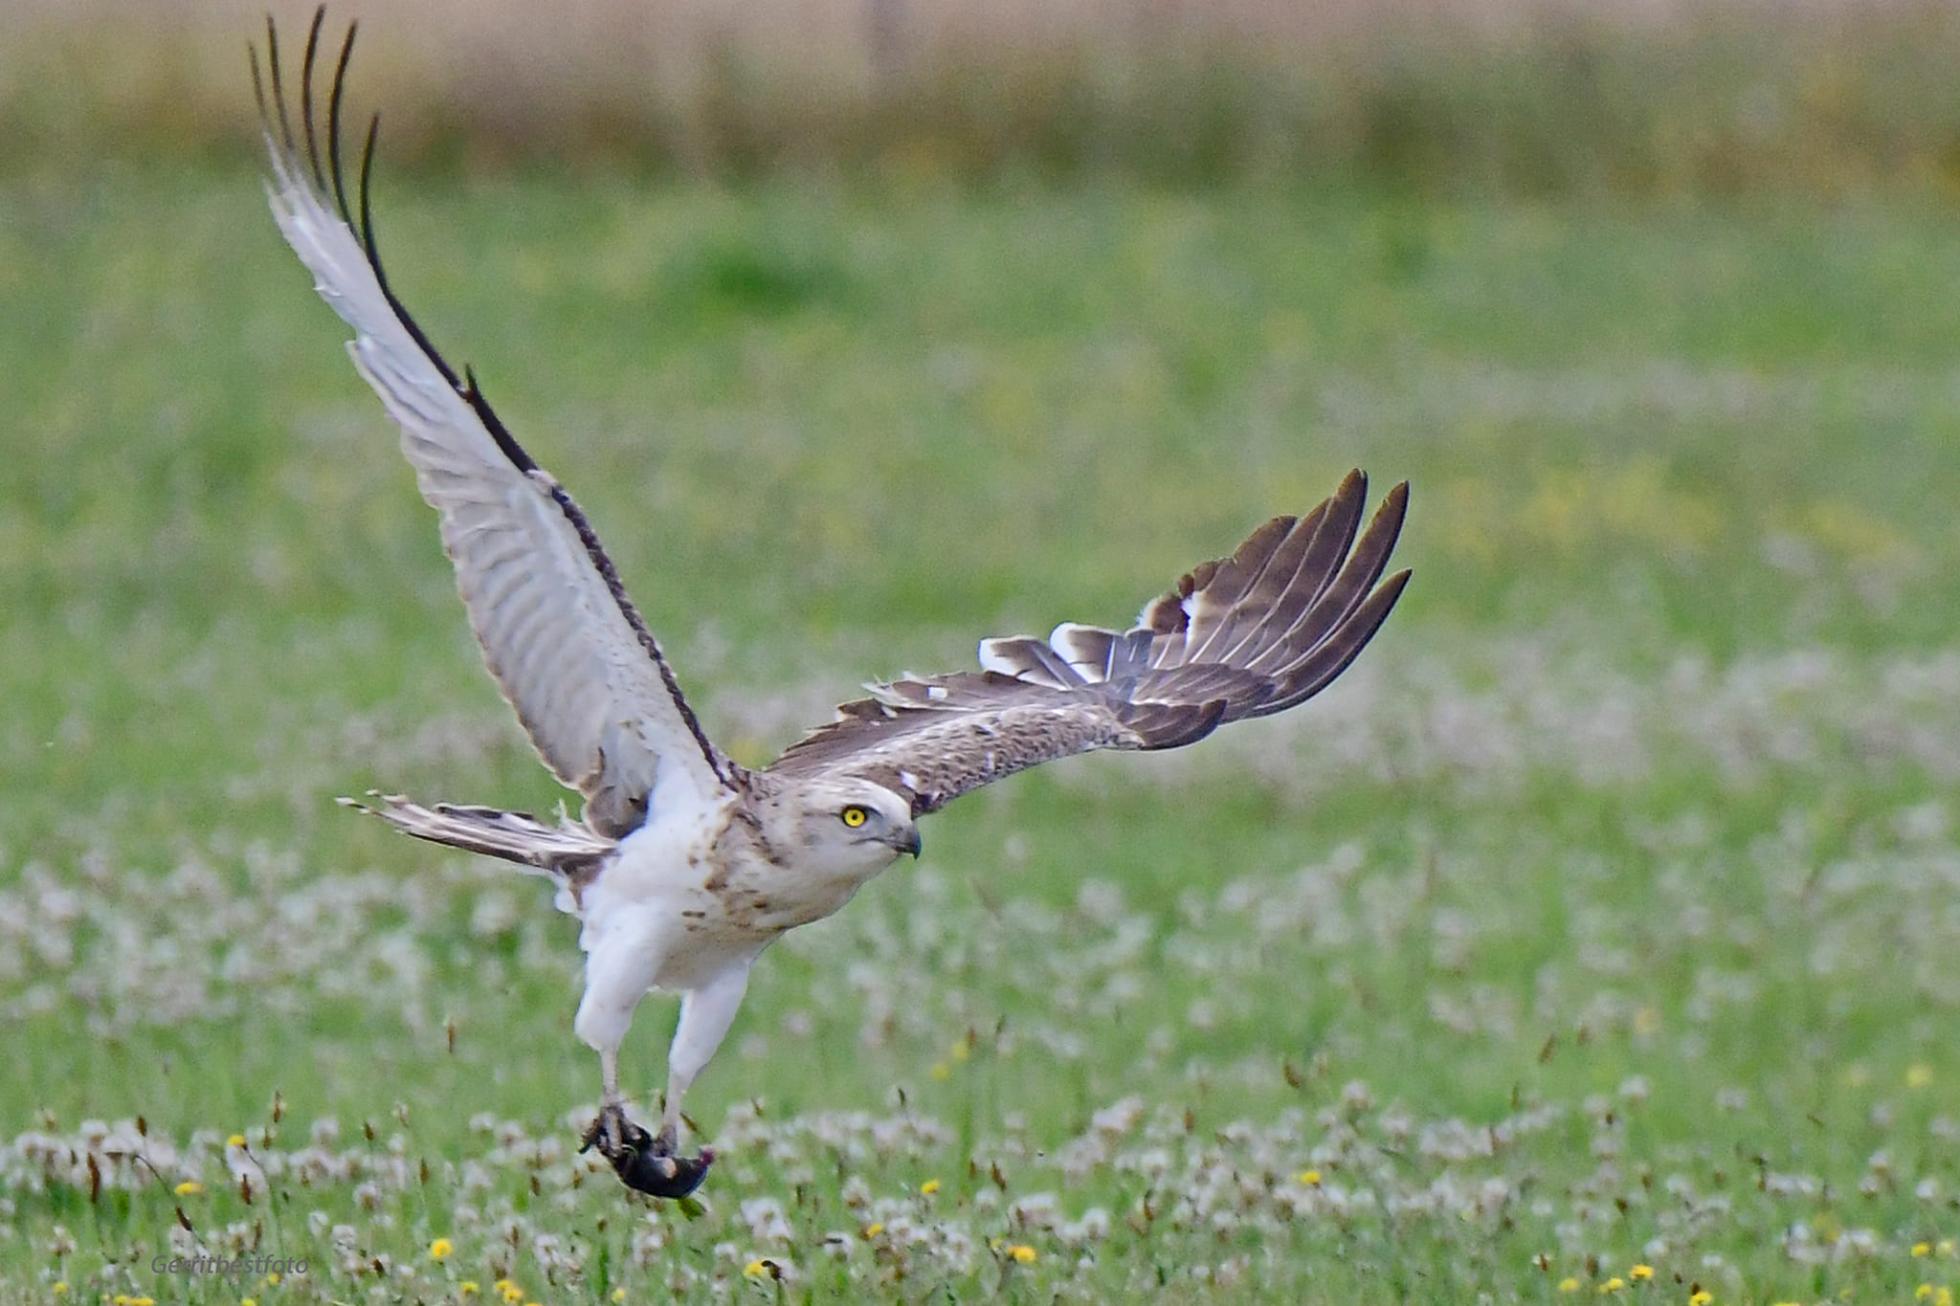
845, 827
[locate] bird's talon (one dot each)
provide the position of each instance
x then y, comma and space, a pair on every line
645, 1162
607, 1131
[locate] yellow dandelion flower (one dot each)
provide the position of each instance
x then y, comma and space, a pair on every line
248, 1301
1922, 1292
1919, 1075
1641, 1273
1613, 1284
1700, 1297
236, 1140
1023, 1254
509, 1291
873, 1229
272, 1279
1943, 1297
60, 1287
941, 1071
468, 1288
1311, 1178
189, 1188
928, 1188
619, 1294
756, 1269
441, 1249
1922, 1249
1568, 1284
142, 1301
961, 1049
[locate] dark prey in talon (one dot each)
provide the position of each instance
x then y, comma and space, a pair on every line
643, 1162
684, 865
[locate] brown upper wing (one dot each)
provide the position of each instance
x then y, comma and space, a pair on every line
1247, 635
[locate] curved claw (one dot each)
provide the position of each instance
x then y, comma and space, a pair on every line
644, 1163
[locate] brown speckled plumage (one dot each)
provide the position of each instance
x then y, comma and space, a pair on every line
1247, 635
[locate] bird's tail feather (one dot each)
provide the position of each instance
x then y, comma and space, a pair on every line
566, 848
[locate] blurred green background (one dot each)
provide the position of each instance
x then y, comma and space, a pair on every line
1603, 915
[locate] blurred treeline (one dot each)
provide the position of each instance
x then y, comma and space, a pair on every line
1514, 96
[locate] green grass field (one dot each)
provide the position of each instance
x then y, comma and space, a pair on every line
1605, 915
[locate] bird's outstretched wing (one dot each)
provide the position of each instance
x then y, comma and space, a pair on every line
1243, 636
565, 643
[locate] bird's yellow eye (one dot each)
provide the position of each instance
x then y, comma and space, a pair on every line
855, 816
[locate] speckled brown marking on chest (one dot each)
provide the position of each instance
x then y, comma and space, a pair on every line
576, 881
718, 880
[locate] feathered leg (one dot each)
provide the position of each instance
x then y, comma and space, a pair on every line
706, 1015
622, 958
623, 955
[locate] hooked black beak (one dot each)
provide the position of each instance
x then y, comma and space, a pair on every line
911, 843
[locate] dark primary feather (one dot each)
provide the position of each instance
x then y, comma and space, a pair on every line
1242, 636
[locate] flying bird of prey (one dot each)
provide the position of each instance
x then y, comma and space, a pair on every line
684, 865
